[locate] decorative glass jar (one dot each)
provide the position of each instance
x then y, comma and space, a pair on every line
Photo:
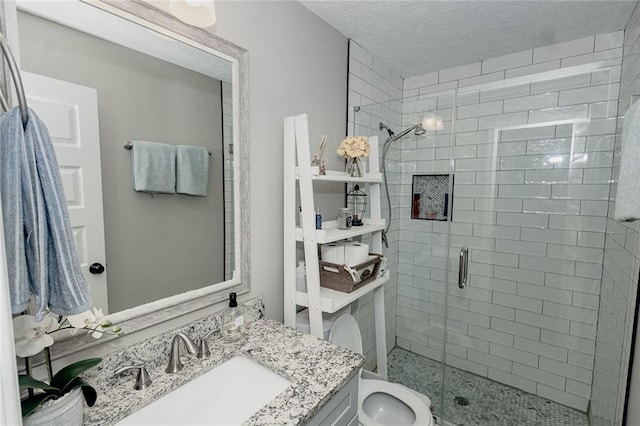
344, 218
354, 167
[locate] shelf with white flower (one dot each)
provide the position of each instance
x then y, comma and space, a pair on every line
299, 177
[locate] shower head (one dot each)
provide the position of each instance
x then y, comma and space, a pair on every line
417, 130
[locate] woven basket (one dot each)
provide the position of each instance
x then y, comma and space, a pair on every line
337, 277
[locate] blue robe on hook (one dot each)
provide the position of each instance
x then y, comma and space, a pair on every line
41, 253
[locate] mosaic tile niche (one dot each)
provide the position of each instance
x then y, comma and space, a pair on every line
430, 197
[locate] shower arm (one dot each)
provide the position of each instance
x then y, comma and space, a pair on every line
405, 132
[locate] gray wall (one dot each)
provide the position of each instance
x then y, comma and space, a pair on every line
156, 246
297, 64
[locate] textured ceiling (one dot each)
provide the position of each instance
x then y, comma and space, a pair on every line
417, 37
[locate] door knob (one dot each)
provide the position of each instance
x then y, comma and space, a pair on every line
96, 268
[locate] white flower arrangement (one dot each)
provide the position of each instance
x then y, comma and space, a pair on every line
354, 147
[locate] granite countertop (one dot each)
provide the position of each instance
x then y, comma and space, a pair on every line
316, 368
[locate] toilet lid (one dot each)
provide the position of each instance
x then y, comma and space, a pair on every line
346, 333
368, 387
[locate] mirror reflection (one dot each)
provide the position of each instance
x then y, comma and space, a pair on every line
95, 95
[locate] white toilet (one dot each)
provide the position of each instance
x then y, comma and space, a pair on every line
380, 402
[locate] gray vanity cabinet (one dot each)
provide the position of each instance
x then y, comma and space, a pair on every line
342, 409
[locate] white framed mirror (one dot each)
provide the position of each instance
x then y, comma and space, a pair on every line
148, 77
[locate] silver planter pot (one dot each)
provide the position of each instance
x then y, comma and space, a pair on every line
65, 411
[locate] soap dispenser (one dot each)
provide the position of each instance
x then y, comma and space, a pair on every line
233, 327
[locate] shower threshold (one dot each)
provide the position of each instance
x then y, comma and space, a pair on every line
487, 402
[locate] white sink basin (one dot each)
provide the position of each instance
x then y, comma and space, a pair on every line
227, 395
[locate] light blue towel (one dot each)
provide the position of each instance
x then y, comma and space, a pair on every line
66, 291
153, 167
11, 157
36, 228
46, 260
628, 192
192, 170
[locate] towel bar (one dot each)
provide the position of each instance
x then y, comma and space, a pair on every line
128, 146
17, 81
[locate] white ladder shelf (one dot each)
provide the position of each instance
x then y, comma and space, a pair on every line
297, 167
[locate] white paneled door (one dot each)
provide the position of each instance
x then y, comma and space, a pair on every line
70, 112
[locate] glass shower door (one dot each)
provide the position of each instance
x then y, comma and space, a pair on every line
531, 163
417, 166
421, 211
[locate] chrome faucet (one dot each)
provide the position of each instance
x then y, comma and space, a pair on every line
174, 356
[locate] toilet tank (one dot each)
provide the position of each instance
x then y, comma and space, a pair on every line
302, 321
346, 333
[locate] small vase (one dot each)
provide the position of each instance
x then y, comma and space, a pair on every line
354, 168
65, 411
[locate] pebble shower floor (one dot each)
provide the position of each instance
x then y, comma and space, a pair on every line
489, 402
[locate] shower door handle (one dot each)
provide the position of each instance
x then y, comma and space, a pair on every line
463, 267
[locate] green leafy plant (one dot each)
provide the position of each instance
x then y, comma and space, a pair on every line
63, 382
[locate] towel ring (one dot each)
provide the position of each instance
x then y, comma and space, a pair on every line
17, 81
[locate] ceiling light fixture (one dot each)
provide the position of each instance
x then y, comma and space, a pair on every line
199, 13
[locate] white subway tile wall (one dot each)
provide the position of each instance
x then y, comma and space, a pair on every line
532, 161
377, 89
229, 218
533, 188
621, 259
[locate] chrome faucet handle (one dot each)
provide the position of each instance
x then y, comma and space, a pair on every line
142, 379
174, 356
203, 349
203, 346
